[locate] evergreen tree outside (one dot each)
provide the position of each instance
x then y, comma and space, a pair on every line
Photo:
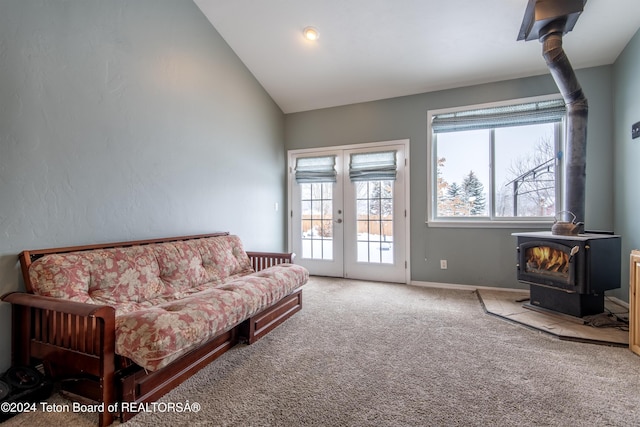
466, 199
455, 199
473, 195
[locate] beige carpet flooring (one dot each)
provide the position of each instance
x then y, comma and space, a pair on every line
374, 354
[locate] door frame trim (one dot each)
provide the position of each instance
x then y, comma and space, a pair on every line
407, 187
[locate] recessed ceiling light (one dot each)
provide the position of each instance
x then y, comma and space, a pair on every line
310, 33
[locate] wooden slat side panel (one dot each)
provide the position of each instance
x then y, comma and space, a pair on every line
263, 260
77, 333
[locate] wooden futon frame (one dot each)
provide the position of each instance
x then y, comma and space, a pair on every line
75, 342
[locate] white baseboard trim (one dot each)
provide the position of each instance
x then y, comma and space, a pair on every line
462, 287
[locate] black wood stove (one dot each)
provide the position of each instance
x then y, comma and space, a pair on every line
569, 274
566, 273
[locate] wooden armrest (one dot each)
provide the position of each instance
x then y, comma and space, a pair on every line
42, 326
56, 304
71, 339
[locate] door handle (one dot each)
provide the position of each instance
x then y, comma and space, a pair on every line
339, 221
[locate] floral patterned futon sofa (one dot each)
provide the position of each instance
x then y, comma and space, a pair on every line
170, 302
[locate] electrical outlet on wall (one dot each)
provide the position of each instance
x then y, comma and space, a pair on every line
443, 264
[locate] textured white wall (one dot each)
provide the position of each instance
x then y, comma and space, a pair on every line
124, 120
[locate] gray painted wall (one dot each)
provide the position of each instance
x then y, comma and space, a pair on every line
484, 257
627, 153
124, 120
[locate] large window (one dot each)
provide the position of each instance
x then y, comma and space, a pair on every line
496, 163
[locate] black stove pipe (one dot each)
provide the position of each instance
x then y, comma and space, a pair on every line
548, 21
575, 153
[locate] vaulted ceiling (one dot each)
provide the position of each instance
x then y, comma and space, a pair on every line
376, 49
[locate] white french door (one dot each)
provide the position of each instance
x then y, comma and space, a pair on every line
347, 223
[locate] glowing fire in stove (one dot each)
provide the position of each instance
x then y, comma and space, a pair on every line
543, 259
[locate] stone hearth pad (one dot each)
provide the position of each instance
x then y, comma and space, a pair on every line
511, 305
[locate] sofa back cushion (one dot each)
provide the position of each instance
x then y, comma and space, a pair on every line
224, 258
180, 266
101, 276
138, 274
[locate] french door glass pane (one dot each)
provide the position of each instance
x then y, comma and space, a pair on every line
317, 220
374, 211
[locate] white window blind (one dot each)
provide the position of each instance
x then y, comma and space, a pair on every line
316, 169
529, 113
373, 166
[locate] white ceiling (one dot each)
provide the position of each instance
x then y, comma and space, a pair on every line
376, 49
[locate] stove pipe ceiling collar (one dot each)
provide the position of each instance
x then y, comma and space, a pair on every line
540, 13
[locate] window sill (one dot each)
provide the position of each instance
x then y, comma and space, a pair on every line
443, 223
